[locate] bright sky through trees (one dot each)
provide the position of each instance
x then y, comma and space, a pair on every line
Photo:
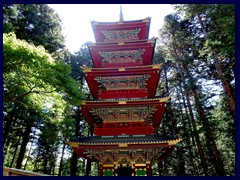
76, 19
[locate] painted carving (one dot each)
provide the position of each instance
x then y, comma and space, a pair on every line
122, 82
121, 35
122, 56
124, 114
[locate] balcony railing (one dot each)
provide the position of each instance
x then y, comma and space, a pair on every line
19, 172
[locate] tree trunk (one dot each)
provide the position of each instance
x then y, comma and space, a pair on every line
7, 128
25, 166
160, 168
88, 167
181, 171
211, 145
45, 165
227, 88
202, 26
226, 85
35, 168
196, 135
74, 160
169, 111
61, 161
15, 152
188, 142
25, 139
180, 151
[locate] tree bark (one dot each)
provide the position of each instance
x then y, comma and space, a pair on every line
160, 168
169, 111
15, 152
88, 168
196, 135
61, 161
211, 145
25, 139
227, 88
74, 160
186, 133
226, 85
180, 150
25, 166
7, 128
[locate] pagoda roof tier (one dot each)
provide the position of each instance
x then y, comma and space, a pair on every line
149, 111
136, 53
124, 82
121, 31
100, 146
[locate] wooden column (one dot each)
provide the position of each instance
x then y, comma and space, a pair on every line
100, 168
149, 168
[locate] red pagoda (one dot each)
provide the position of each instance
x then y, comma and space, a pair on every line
124, 113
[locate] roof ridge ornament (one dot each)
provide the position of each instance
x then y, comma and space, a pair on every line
121, 15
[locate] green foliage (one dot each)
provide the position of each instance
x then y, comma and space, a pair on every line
31, 70
37, 24
224, 131
38, 92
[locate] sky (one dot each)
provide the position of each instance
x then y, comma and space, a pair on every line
76, 19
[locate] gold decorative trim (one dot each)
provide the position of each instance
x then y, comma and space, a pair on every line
121, 43
164, 99
174, 142
170, 142
108, 165
85, 69
126, 67
122, 102
157, 66
136, 165
121, 69
72, 144
83, 102
123, 145
151, 41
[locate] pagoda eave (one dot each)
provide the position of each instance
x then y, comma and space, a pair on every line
127, 81
89, 147
104, 30
159, 105
119, 54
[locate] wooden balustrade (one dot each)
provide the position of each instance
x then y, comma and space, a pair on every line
19, 172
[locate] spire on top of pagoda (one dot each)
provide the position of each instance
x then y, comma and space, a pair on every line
121, 14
